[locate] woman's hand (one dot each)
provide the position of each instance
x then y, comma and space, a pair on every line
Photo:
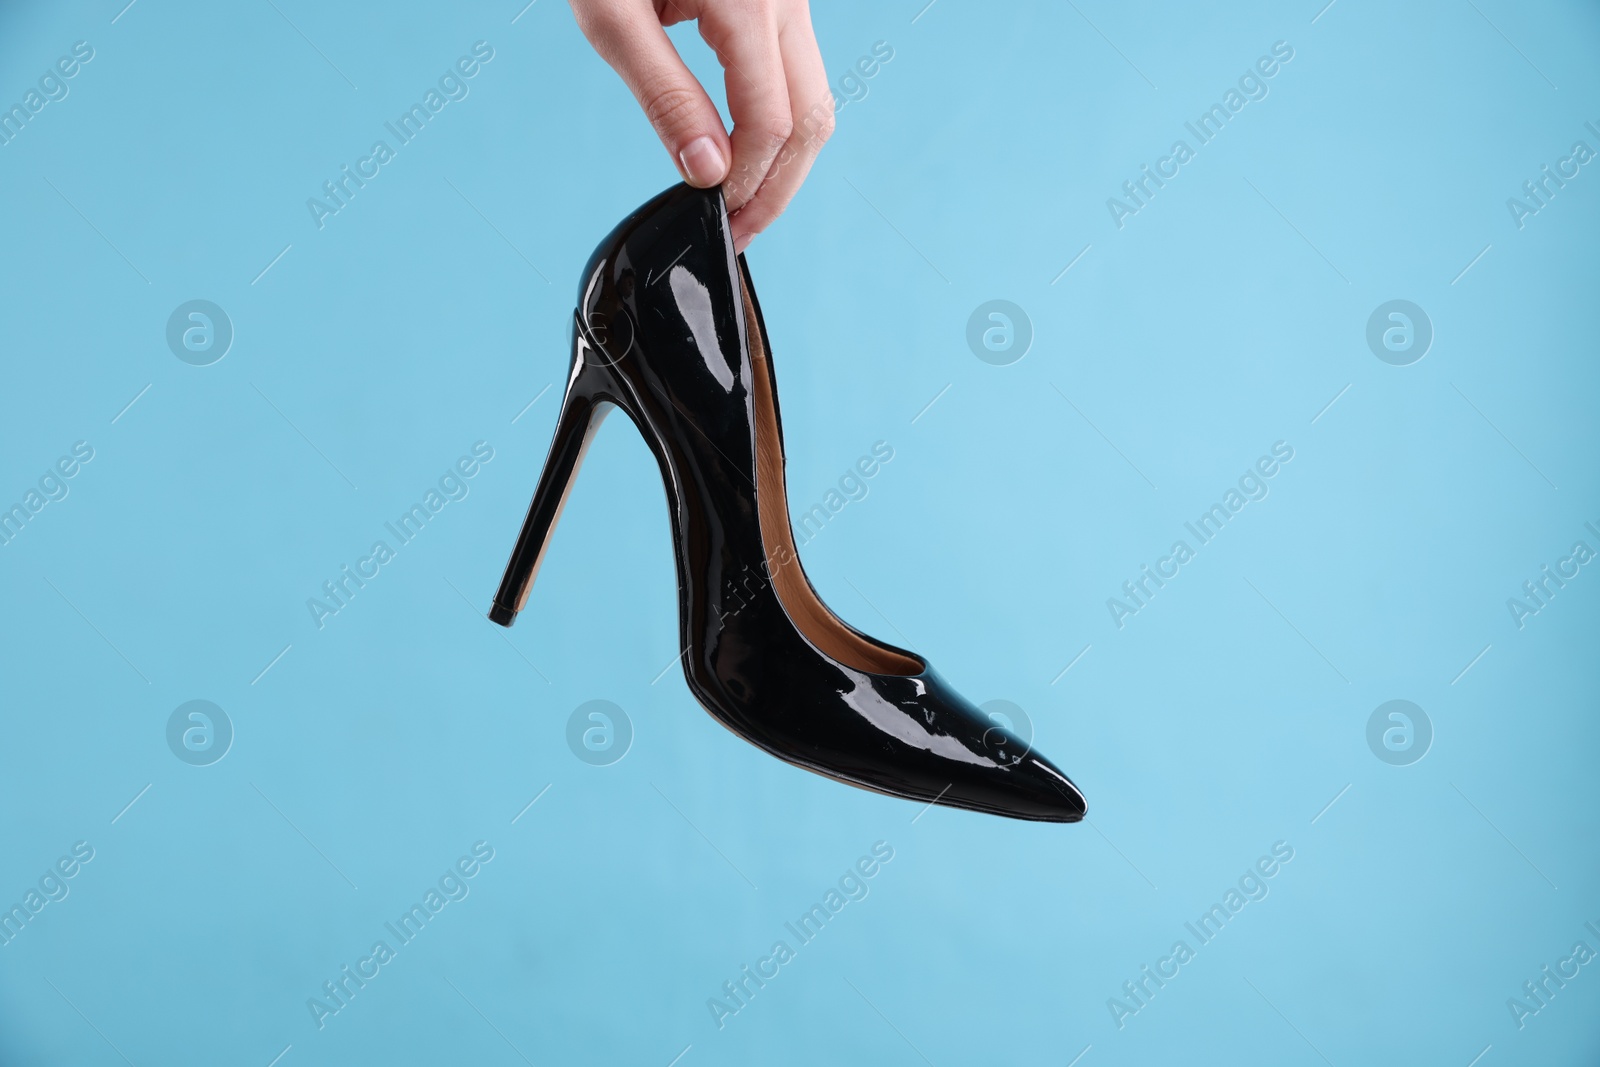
776, 87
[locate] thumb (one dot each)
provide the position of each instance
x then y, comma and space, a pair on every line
638, 49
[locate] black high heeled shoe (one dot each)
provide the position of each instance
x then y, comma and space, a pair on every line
668, 329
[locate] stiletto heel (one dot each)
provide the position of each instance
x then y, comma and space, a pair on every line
668, 328
583, 408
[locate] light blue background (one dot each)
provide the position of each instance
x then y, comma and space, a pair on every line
1223, 718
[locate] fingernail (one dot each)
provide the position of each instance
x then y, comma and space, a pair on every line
742, 243
702, 162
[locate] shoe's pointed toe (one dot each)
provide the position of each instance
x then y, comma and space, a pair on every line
1039, 791
908, 736
1008, 777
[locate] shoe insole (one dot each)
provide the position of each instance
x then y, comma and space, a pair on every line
806, 610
